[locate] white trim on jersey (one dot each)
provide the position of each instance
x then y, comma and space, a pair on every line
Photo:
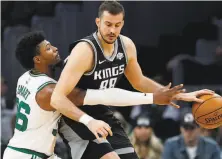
111, 58
95, 59
124, 49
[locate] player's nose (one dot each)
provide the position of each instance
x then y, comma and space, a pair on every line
55, 49
112, 30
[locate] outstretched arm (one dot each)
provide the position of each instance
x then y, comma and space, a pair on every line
144, 84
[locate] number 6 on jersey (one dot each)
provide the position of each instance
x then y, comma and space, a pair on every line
21, 118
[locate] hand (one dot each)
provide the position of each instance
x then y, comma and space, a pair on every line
164, 96
193, 96
99, 127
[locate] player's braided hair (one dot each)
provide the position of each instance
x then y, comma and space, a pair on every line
27, 48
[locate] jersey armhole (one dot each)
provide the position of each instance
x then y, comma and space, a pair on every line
44, 84
124, 48
95, 57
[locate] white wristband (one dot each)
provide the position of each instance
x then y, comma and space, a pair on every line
85, 119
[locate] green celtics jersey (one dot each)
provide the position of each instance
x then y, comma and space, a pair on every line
35, 128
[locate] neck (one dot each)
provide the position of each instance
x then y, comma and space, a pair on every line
191, 143
106, 47
44, 69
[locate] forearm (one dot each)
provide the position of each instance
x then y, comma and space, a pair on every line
77, 96
147, 85
63, 105
117, 97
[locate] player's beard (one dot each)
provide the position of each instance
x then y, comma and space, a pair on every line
60, 64
106, 41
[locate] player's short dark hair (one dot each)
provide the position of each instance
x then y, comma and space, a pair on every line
27, 48
113, 7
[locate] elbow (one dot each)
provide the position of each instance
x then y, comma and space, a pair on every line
137, 85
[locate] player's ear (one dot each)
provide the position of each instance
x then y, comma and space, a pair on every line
97, 20
36, 59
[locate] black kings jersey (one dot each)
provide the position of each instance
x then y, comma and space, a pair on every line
105, 73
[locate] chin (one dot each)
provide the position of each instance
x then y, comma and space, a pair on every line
110, 42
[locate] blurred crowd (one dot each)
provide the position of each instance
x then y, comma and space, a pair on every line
192, 57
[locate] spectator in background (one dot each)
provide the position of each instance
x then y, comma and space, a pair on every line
146, 144
7, 115
190, 144
219, 138
5, 102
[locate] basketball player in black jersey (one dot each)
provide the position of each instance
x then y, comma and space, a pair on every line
98, 61
40, 58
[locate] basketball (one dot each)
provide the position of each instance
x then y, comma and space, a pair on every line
209, 113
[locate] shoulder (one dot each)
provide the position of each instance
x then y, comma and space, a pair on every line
43, 81
84, 47
45, 92
81, 58
155, 139
129, 46
209, 141
127, 41
24, 75
173, 140
43, 97
156, 142
82, 51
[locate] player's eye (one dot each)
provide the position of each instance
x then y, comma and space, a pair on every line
108, 24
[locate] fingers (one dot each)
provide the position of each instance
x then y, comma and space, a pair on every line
97, 137
180, 91
108, 129
169, 85
102, 132
175, 88
105, 132
174, 105
198, 100
209, 91
205, 91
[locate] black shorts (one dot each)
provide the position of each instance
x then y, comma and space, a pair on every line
91, 149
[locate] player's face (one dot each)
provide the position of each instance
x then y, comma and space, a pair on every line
49, 54
109, 26
190, 135
142, 133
